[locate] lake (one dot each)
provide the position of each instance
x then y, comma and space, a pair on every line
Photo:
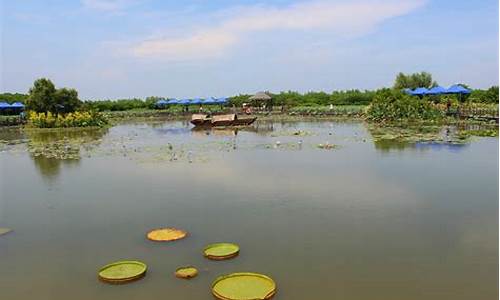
362, 219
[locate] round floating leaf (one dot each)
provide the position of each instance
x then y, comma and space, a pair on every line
186, 272
244, 286
166, 234
122, 272
221, 251
4, 230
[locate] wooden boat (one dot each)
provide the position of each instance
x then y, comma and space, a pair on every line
202, 120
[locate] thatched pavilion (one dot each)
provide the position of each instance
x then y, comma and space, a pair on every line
262, 98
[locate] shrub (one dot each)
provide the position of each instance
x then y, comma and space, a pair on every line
76, 119
393, 105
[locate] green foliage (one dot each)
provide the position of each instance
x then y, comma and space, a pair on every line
13, 97
76, 119
393, 105
151, 102
292, 98
352, 97
239, 99
121, 104
338, 110
415, 80
485, 96
67, 99
44, 97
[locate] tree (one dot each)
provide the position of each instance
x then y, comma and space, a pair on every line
13, 97
151, 101
67, 100
413, 81
42, 96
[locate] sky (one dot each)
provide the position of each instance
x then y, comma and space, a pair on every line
109, 49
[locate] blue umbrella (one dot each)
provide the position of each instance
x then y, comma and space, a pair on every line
420, 91
17, 105
4, 105
161, 102
209, 100
173, 101
457, 89
196, 101
437, 90
222, 100
184, 102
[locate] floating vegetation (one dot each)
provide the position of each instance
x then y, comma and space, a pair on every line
291, 133
58, 150
122, 272
414, 134
280, 146
4, 230
478, 132
327, 146
221, 251
166, 234
187, 272
244, 286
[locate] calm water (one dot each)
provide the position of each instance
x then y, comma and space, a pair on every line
362, 221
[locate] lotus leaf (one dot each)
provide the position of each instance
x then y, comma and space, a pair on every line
244, 286
166, 234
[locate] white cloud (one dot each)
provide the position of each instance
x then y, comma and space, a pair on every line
348, 18
203, 44
111, 6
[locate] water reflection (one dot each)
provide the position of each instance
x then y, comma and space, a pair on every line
400, 226
51, 150
50, 168
262, 129
420, 138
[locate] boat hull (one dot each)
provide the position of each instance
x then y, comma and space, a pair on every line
223, 123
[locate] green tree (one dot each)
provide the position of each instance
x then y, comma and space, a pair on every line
151, 101
67, 100
415, 80
13, 97
42, 96
393, 105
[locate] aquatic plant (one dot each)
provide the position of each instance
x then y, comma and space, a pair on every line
76, 119
393, 105
186, 272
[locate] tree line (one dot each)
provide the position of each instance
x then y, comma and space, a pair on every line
45, 97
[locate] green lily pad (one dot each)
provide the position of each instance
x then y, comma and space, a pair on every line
122, 272
220, 251
4, 230
186, 272
244, 286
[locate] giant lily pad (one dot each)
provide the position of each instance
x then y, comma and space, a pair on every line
244, 286
220, 251
186, 272
4, 230
166, 234
122, 272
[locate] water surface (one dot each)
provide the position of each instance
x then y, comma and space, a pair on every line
363, 220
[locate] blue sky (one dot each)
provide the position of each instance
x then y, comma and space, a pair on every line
138, 48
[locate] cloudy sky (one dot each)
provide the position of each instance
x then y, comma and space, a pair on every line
139, 48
